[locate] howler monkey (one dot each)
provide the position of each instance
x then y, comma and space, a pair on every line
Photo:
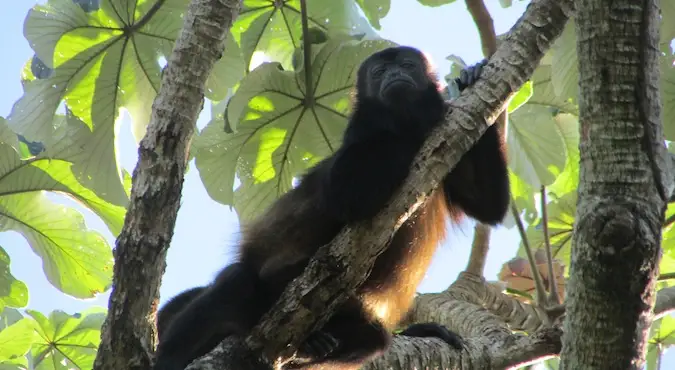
397, 104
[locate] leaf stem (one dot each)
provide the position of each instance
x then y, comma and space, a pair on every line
539, 285
307, 54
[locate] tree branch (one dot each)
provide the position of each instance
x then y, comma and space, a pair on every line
341, 266
127, 338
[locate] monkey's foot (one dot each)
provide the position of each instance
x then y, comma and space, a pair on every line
433, 330
318, 345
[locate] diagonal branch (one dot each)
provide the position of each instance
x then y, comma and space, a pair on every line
341, 266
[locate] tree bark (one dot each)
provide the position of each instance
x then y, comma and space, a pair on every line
622, 195
128, 337
340, 267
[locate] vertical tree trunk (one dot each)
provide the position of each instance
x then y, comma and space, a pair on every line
127, 338
616, 245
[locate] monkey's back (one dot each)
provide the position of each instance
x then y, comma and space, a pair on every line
295, 227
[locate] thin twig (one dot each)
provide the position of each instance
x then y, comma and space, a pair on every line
552, 287
539, 285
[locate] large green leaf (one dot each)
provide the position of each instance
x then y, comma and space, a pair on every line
667, 25
661, 336
276, 135
274, 27
13, 292
564, 68
540, 140
16, 339
435, 3
77, 261
13, 360
568, 180
67, 341
103, 61
668, 96
374, 10
537, 153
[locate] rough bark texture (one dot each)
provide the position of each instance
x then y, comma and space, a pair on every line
341, 266
127, 339
616, 243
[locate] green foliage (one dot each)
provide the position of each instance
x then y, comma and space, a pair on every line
374, 10
17, 335
661, 336
435, 3
66, 341
76, 261
103, 61
13, 292
277, 136
275, 26
96, 59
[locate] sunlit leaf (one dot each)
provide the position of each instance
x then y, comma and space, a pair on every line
102, 61
274, 27
17, 339
76, 260
668, 96
435, 3
522, 96
564, 69
374, 10
276, 135
13, 292
71, 340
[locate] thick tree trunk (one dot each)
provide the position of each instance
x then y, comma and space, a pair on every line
616, 245
127, 339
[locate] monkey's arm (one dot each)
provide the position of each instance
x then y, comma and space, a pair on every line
479, 184
363, 175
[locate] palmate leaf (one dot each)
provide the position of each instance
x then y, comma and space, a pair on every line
76, 260
67, 341
274, 26
13, 292
276, 135
17, 335
561, 213
103, 61
374, 10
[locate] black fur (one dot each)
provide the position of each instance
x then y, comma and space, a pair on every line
397, 105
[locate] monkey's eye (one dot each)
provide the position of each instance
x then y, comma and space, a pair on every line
377, 72
408, 65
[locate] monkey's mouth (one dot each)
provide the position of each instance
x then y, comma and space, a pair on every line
401, 84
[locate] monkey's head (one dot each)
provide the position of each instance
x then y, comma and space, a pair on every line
396, 77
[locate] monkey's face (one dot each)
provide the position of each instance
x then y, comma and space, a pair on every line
396, 77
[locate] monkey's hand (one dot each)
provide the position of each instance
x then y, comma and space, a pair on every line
433, 330
469, 75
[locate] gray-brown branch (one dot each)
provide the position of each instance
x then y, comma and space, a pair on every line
342, 265
128, 338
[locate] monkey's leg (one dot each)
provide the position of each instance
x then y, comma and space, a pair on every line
433, 330
172, 308
230, 306
348, 339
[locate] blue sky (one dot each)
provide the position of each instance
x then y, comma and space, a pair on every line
206, 230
